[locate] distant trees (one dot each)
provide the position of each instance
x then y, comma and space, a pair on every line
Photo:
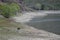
47, 4
8, 10
7, 0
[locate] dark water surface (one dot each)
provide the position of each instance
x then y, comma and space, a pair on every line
50, 23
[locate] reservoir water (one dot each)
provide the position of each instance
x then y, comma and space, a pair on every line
50, 23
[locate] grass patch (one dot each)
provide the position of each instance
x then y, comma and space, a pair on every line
8, 27
5, 23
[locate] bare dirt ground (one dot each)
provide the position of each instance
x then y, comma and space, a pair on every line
27, 33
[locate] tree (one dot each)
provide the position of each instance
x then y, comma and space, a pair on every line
8, 10
48, 4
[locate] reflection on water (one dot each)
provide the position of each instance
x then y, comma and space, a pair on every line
50, 23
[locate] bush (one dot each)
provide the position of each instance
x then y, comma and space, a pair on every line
8, 10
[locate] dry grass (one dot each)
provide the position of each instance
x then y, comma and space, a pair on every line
8, 24
5, 23
8, 27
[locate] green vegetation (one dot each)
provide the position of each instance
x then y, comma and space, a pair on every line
48, 4
8, 10
36, 4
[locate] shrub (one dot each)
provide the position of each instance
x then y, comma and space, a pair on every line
8, 10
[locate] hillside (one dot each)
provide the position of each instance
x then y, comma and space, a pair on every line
36, 4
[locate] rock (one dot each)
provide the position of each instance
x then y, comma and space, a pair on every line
1, 16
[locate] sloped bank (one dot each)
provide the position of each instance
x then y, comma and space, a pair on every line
31, 33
